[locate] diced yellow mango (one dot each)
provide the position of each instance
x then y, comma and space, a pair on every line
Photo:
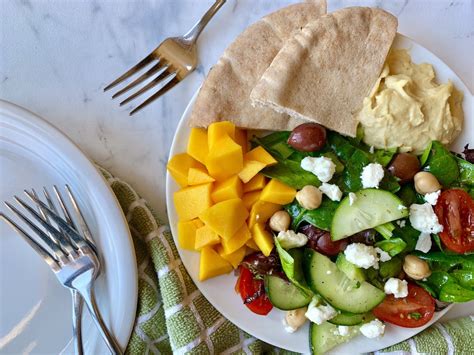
198, 145
250, 169
205, 236
197, 176
237, 240
218, 130
261, 155
227, 189
251, 244
250, 198
278, 192
262, 238
234, 258
257, 183
225, 159
179, 165
191, 201
242, 139
225, 217
261, 212
187, 233
212, 264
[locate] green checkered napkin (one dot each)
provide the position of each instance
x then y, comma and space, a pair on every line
174, 317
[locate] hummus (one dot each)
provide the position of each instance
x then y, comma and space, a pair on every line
407, 108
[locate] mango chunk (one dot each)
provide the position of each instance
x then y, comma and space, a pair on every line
234, 258
250, 169
257, 183
179, 165
277, 192
198, 145
261, 212
251, 244
212, 264
250, 198
225, 159
242, 139
191, 201
187, 233
262, 238
217, 130
261, 155
197, 176
225, 217
227, 189
205, 236
238, 240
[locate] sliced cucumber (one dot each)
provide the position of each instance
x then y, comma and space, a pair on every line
284, 294
336, 288
345, 318
325, 336
353, 272
371, 208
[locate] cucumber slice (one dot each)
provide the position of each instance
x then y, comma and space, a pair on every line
353, 272
371, 208
284, 294
345, 318
336, 288
324, 337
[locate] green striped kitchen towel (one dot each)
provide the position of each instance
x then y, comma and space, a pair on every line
174, 317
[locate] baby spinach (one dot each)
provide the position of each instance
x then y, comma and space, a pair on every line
384, 157
450, 260
408, 234
453, 292
391, 268
407, 194
466, 172
392, 246
275, 143
464, 277
442, 164
320, 217
290, 173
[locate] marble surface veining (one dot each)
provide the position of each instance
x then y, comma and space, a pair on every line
57, 56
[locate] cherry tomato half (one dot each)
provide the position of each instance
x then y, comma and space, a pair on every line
249, 289
412, 311
455, 211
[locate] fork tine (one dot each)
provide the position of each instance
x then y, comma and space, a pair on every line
162, 76
143, 63
64, 208
155, 96
148, 74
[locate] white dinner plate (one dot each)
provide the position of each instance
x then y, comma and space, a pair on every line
35, 310
220, 290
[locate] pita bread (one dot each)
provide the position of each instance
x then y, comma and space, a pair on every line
225, 93
323, 73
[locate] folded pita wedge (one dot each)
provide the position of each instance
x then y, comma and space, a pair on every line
323, 73
226, 91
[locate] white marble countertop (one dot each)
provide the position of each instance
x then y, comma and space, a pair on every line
56, 57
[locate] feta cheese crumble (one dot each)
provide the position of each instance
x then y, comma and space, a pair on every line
371, 149
290, 239
401, 223
383, 255
343, 330
322, 167
332, 191
371, 175
396, 287
362, 255
352, 198
319, 313
432, 197
373, 329
401, 207
423, 218
424, 243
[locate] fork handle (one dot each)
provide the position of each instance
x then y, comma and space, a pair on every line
194, 32
77, 306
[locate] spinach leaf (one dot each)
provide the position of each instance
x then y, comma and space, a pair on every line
321, 217
290, 173
407, 194
437, 240
390, 268
426, 154
408, 234
466, 172
389, 183
354, 166
384, 157
340, 146
465, 278
442, 164
275, 144
392, 246
453, 292
437, 280
449, 260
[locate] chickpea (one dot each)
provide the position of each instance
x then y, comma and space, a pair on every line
296, 318
426, 182
416, 268
309, 197
280, 221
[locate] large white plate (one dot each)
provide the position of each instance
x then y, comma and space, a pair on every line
35, 310
220, 291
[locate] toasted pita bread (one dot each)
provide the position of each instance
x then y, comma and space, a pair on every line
323, 73
225, 93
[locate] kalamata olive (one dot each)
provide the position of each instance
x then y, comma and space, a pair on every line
404, 166
320, 240
308, 137
365, 237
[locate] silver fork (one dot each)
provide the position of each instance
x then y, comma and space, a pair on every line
73, 259
175, 57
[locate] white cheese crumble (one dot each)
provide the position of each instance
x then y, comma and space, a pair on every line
401, 223
432, 197
322, 167
352, 198
383, 255
401, 207
343, 330
424, 242
362, 255
332, 191
319, 313
372, 149
396, 287
371, 175
423, 218
373, 329
290, 239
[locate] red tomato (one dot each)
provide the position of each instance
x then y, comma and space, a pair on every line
412, 311
455, 211
249, 288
